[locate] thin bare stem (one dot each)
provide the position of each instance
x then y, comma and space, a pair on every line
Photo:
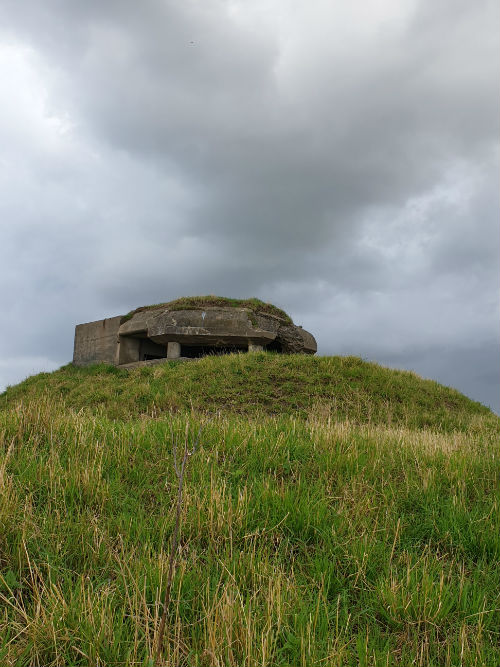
175, 538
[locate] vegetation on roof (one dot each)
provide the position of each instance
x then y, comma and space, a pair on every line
199, 302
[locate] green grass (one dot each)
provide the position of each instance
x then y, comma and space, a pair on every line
258, 384
209, 301
336, 522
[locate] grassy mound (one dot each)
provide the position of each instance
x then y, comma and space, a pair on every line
257, 384
200, 302
335, 513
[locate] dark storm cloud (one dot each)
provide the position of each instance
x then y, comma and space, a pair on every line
336, 159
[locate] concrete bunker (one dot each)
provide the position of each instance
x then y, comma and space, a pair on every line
189, 328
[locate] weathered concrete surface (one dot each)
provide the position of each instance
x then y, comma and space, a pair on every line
220, 327
128, 350
96, 342
132, 349
173, 350
160, 332
296, 340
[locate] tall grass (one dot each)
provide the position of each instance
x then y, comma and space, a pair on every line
304, 541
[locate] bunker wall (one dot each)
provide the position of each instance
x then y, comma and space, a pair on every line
96, 342
128, 350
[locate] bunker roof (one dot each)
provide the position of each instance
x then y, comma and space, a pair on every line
211, 301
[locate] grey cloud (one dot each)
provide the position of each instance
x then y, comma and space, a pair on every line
474, 370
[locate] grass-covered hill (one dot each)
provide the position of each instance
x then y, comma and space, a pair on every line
334, 513
256, 385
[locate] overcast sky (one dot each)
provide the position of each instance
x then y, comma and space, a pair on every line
339, 159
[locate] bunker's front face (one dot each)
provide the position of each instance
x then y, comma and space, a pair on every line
168, 333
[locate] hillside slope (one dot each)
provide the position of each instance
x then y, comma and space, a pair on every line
256, 384
334, 513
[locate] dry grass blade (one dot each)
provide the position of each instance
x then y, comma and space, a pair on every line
179, 471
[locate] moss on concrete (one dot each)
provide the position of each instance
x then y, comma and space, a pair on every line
199, 302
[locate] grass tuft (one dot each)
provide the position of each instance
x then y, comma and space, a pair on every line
199, 302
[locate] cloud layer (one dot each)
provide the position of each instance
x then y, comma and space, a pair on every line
337, 159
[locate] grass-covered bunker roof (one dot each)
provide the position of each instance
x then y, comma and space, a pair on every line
210, 301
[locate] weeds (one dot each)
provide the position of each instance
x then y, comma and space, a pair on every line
179, 471
311, 541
